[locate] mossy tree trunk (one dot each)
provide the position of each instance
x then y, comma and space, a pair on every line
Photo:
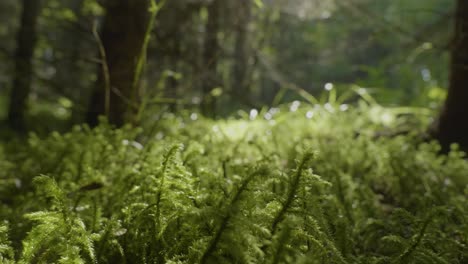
122, 36
452, 126
23, 75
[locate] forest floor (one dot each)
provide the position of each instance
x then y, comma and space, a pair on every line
294, 184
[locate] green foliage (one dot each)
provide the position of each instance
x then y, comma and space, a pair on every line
60, 235
395, 46
301, 183
6, 251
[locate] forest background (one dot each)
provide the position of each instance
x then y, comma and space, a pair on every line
219, 56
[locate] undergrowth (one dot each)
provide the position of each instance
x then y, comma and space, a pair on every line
295, 184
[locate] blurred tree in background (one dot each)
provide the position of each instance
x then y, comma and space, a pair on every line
220, 56
22, 76
121, 46
451, 126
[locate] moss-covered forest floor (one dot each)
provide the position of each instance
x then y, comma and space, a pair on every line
294, 184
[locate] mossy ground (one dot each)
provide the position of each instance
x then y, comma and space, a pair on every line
294, 184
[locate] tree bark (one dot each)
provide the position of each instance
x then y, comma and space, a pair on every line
123, 33
452, 126
22, 79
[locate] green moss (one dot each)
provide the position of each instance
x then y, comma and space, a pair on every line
302, 184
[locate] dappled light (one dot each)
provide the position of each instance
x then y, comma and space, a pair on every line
233, 131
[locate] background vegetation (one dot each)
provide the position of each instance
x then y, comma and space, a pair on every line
261, 50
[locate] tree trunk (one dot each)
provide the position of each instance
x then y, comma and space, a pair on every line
239, 84
210, 58
26, 41
123, 33
452, 126
70, 71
